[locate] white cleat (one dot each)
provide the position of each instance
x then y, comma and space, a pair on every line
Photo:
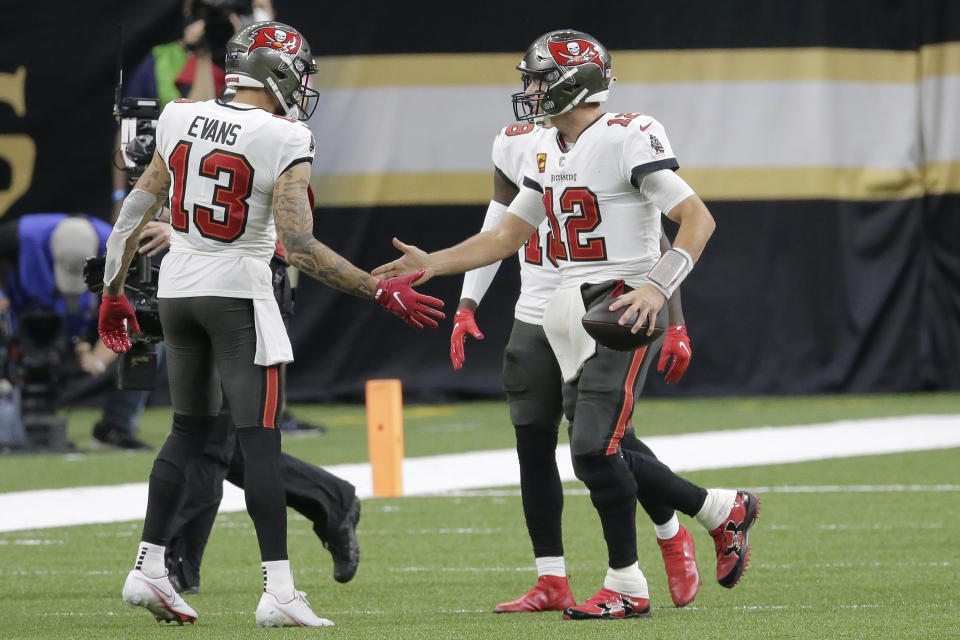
157, 596
295, 613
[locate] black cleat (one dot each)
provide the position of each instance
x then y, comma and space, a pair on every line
108, 436
341, 541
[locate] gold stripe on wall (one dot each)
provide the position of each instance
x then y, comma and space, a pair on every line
386, 189
697, 65
943, 177
759, 183
940, 59
804, 183
750, 65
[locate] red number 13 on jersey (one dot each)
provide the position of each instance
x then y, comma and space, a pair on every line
228, 221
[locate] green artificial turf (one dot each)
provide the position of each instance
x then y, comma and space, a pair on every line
860, 547
825, 564
432, 430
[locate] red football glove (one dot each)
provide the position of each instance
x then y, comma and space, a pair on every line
397, 296
676, 344
114, 310
463, 324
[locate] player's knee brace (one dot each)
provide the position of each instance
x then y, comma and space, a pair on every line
608, 479
185, 443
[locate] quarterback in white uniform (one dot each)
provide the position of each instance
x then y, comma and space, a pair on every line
601, 183
532, 382
237, 174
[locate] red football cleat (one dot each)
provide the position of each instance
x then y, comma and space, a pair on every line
551, 593
609, 605
680, 561
732, 541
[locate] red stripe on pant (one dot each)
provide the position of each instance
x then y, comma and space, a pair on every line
273, 394
626, 411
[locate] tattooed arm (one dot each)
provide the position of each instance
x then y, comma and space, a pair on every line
155, 182
294, 220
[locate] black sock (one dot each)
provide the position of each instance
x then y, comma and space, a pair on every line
658, 484
659, 512
613, 492
183, 445
541, 488
263, 490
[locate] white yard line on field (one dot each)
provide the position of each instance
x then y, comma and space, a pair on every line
465, 471
827, 488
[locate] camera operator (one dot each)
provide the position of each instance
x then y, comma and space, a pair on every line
52, 314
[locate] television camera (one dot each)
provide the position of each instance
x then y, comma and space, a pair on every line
138, 366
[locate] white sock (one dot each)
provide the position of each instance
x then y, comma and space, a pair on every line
716, 507
278, 579
668, 529
150, 560
627, 580
552, 566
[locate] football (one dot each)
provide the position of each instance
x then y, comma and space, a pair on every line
601, 324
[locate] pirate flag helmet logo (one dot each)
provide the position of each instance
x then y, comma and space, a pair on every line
276, 39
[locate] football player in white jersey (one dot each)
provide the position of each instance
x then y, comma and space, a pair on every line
533, 382
602, 182
237, 174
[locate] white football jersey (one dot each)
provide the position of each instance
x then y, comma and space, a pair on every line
514, 155
224, 160
603, 227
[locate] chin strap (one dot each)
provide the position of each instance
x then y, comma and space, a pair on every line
288, 110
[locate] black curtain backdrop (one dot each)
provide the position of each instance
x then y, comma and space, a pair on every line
70, 51
877, 309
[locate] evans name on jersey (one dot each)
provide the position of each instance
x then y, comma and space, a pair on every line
219, 131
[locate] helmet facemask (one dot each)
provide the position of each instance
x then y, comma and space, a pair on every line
558, 94
301, 102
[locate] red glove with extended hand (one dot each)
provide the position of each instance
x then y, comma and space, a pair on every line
397, 296
113, 332
676, 344
463, 324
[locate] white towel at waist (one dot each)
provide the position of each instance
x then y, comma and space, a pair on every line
561, 322
273, 344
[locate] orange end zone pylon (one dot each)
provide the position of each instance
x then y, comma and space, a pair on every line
385, 436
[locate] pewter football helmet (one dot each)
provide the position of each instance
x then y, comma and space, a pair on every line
573, 67
276, 57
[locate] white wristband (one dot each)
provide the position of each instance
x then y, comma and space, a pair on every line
672, 267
